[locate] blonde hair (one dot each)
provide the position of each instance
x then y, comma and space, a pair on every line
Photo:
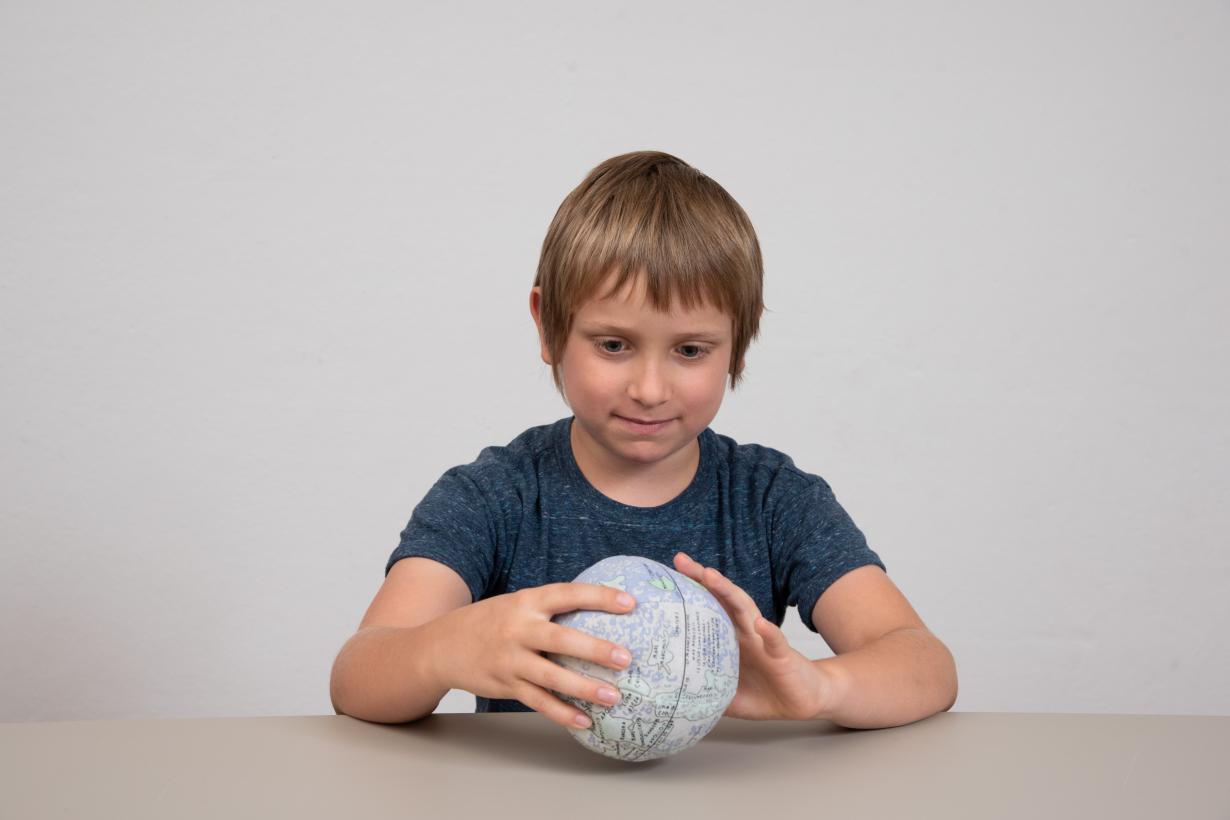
651, 212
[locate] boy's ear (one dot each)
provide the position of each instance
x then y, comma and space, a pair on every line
536, 312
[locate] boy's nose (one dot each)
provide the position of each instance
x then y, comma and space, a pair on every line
649, 387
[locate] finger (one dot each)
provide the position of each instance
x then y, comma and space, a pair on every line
739, 604
567, 597
572, 687
685, 564
690, 568
776, 644
722, 589
565, 640
552, 707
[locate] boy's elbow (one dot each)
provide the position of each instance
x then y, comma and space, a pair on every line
951, 686
335, 683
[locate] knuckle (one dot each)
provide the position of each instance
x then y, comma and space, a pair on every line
551, 677
560, 684
552, 708
549, 595
529, 631
532, 697
506, 633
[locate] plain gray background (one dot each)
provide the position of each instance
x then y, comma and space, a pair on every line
265, 276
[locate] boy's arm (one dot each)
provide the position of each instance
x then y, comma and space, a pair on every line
422, 637
388, 671
386, 674
889, 669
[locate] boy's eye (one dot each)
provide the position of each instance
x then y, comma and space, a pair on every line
691, 352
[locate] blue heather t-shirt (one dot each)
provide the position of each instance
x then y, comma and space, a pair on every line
524, 515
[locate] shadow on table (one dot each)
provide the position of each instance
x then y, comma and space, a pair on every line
530, 740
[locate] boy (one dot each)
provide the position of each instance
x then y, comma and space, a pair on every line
647, 295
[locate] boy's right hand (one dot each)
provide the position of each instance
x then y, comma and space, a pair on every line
497, 647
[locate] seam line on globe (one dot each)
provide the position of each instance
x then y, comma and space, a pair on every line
684, 675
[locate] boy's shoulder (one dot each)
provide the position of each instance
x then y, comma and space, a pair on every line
529, 444
759, 459
522, 453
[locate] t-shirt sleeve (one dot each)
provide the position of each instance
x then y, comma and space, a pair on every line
814, 542
459, 523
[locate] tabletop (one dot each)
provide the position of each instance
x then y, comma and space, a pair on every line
951, 765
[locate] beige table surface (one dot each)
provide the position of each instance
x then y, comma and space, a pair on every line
952, 765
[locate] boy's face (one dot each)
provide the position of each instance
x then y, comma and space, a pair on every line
625, 362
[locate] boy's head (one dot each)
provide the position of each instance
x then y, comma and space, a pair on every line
651, 220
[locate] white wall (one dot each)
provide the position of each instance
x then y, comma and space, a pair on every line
263, 268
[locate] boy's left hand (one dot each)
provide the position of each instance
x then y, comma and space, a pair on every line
776, 682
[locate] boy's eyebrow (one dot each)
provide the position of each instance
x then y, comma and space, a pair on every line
601, 327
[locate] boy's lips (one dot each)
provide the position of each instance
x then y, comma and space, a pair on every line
641, 426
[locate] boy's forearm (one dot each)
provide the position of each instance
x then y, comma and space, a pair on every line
386, 674
899, 678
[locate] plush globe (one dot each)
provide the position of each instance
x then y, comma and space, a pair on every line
685, 661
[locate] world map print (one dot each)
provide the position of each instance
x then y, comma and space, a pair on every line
685, 661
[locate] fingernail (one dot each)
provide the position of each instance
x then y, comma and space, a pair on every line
581, 721
607, 695
620, 656
625, 599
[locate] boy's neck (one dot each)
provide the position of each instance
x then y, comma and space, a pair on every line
634, 484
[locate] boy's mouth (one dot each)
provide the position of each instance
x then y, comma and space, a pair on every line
643, 425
